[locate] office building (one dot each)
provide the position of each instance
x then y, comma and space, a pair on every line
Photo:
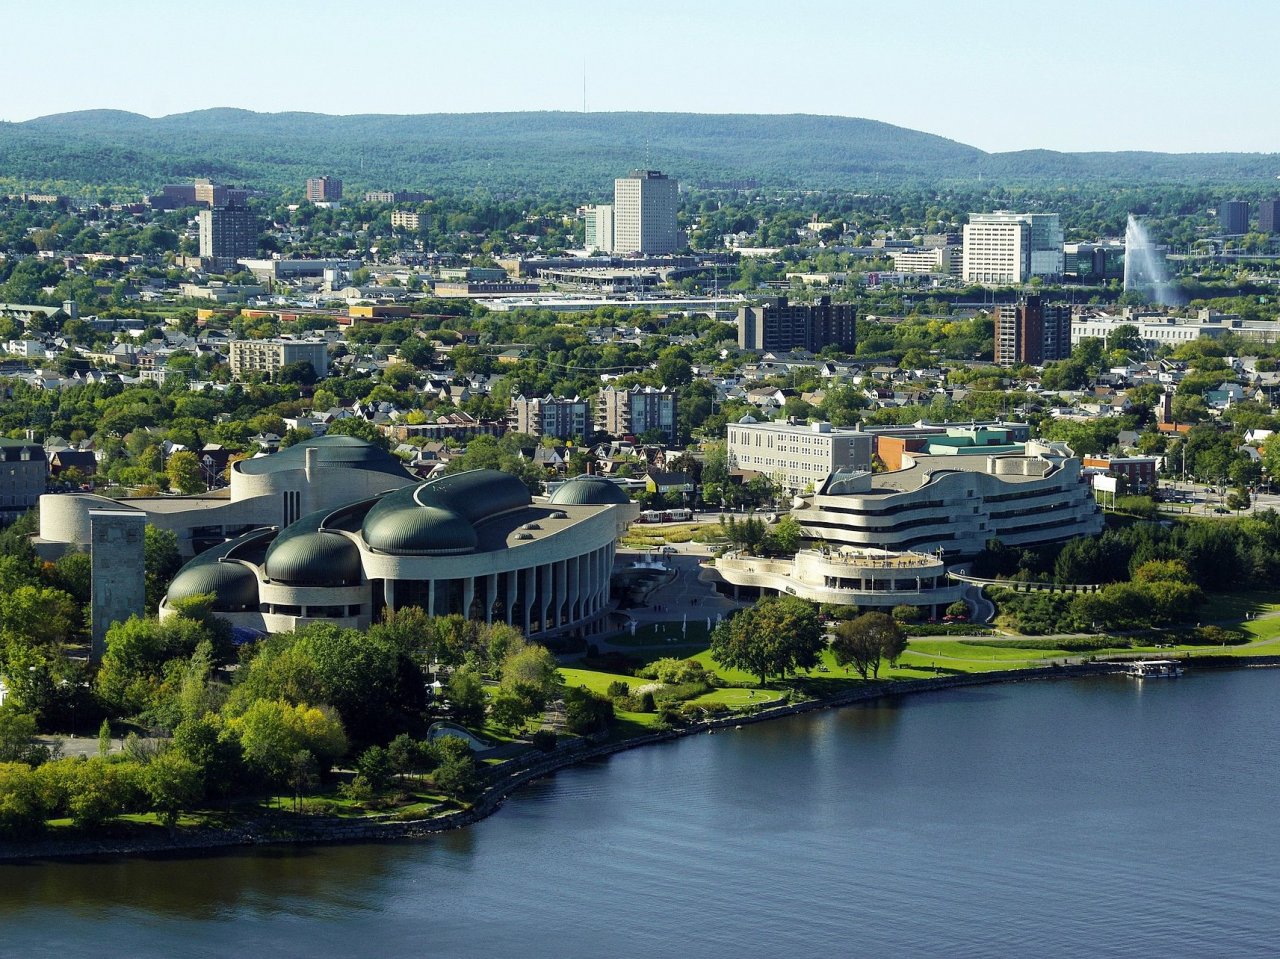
406, 219
474, 544
798, 456
1269, 216
632, 412
644, 213
1093, 262
1233, 217
598, 223
228, 233
1032, 332
564, 418
1003, 248
324, 189
267, 356
937, 259
956, 501
777, 325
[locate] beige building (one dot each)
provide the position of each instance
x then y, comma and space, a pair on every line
956, 503
798, 455
867, 578
940, 259
267, 356
644, 213
1003, 248
406, 219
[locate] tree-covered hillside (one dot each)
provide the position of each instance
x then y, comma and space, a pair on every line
540, 153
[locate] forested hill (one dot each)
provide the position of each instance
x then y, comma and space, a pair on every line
542, 153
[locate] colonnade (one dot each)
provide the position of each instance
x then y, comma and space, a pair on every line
562, 595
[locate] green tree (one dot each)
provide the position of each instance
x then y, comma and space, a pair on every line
866, 641
776, 636
466, 695
173, 783
185, 475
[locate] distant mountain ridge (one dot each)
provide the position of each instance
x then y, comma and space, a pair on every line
546, 153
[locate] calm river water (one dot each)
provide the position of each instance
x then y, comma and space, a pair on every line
1092, 817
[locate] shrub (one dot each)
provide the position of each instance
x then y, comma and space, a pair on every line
544, 740
907, 614
672, 671
617, 689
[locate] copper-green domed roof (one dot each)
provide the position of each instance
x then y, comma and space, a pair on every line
439, 516
400, 523
234, 587
306, 555
589, 491
331, 451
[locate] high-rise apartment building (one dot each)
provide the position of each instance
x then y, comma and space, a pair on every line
228, 232
1268, 216
635, 411
561, 417
1233, 217
644, 213
1004, 248
324, 189
1032, 332
598, 222
779, 325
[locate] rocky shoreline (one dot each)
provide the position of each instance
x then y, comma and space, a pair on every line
327, 829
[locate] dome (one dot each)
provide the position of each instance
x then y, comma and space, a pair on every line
233, 586
347, 452
476, 494
313, 558
589, 491
399, 523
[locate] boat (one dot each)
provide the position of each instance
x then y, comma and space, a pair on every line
1153, 669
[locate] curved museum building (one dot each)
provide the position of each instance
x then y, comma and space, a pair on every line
275, 490
955, 503
473, 543
872, 579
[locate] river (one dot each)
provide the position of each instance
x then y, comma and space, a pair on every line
1086, 817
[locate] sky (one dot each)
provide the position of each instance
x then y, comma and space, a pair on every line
1080, 75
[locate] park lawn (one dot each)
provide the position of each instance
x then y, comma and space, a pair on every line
737, 698
1232, 608
594, 680
641, 536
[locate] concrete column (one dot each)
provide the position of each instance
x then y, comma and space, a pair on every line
490, 594
528, 575
468, 596
544, 585
431, 597
388, 588
559, 573
574, 588
511, 595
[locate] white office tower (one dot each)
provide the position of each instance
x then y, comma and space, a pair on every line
1004, 248
644, 213
598, 220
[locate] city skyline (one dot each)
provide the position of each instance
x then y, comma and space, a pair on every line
1148, 91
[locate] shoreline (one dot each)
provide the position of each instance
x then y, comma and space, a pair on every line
295, 831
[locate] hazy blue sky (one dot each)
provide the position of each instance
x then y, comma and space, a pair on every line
1170, 75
